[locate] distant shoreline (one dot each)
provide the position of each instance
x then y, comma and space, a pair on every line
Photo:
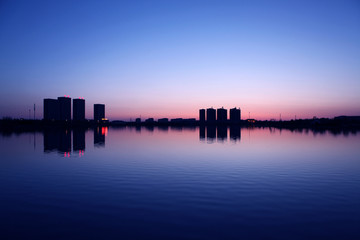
341, 123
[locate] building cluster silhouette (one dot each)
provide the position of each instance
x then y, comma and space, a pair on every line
60, 109
220, 115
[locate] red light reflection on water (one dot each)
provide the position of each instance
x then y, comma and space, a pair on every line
81, 153
67, 154
104, 131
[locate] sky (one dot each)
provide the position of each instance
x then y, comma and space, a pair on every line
171, 58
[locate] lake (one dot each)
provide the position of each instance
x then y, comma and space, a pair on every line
180, 183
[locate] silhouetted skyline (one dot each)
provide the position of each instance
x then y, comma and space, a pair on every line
168, 59
60, 110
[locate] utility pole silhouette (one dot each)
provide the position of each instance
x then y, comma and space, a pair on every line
34, 111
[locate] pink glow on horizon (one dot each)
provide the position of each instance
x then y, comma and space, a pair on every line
258, 113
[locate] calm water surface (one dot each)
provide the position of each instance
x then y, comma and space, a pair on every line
173, 183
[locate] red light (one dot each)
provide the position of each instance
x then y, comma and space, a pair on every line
64, 95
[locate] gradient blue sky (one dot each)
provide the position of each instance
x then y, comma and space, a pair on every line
170, 58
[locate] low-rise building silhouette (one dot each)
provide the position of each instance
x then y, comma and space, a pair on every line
176, 120
163, 120
150, 120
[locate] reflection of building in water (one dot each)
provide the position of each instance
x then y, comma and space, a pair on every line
99, 136
57, 140
163, 128
149, 128
51, 141
65, 141
235, 133
222, 133
219, 132
202, 133
176, 128
211, 133
79, 140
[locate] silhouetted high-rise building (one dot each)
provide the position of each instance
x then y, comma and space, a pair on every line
79, 109
64, 108
210, 115
51, 109
221, 114
235, 115
202, 115
99, 112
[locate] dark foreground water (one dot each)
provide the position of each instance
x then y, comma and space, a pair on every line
166, 183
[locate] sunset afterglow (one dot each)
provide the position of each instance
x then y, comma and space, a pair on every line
170, 58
